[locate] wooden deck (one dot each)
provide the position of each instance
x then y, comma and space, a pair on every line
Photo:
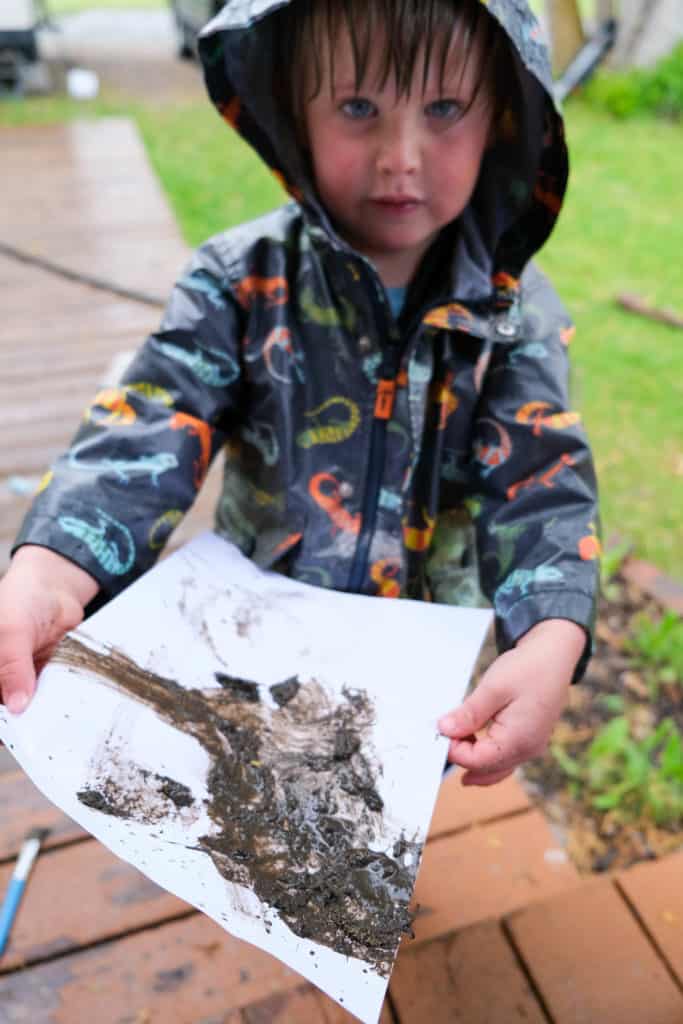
506, 931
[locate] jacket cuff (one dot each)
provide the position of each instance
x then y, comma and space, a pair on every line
573, 605
110, 564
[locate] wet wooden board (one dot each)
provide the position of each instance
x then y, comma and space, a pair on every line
472, 978
93, 205
305, 1005
91, 202
181, 973
22, 808
79, 895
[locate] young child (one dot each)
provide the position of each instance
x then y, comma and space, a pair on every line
383, 367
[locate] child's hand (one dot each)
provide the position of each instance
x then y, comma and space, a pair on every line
42, 597
519, 700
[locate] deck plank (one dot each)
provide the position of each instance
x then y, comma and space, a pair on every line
79, 895
472, 977
181, 973
22, 808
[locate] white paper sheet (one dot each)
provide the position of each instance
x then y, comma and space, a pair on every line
387, 669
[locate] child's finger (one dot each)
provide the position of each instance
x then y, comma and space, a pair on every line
483, 754
485, 778
17, 677
474, 713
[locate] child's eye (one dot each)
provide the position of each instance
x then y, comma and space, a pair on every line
445, 110
358, 109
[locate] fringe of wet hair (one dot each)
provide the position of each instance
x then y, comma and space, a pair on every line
408, 31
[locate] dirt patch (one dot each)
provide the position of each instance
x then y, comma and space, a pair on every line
597, 840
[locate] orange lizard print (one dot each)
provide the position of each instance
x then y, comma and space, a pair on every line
451, 315
416, 538
119, 412
384, 574
294, 192
274, 290
230, 112
546, 195
445, 399
280, 339
330, 500
490, 456
287, 544
535, 412
546, 479
200, 429
567, 335
590, 546
506, 282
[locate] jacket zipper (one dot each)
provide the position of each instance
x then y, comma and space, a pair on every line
384, 405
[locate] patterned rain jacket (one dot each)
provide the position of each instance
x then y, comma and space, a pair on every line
416, 458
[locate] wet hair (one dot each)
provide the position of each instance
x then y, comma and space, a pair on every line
410, 31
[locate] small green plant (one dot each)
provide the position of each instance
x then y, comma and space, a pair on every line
657, 90
658, 646
634, 779
611, 561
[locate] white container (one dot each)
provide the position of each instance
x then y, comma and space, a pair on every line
82, 84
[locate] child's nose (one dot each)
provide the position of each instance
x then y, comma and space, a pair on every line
399, 150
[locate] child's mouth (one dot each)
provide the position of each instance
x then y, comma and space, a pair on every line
397, 204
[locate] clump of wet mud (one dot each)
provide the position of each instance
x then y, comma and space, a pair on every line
293, 799
131, 792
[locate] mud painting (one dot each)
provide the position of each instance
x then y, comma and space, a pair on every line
292, 795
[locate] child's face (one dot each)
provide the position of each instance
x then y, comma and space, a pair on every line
393, 171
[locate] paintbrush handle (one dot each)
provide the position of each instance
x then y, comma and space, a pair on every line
9, 909
15, 889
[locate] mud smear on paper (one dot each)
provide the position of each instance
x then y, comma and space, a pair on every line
293, 799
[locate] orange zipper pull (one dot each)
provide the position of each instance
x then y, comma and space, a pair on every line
384, 402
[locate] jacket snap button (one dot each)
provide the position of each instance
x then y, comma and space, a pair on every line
364, 345
506, 328
345, 489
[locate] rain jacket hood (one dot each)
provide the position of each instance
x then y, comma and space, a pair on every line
523, 178
421, 456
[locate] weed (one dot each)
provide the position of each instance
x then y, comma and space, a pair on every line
658, 646
657, 90
611, 561
633, 779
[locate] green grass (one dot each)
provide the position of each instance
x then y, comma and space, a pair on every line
59, 7
621, 231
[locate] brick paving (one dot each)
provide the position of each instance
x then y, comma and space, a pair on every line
506, 931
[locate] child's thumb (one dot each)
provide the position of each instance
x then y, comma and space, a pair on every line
17, 677
472, 715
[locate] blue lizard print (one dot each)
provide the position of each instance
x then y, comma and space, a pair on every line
154, 465
202, 281
522, 579
105, 551
208, 372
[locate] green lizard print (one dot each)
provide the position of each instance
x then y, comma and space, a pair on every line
507, 537
262, 436
327, 316
334, 431
106, 552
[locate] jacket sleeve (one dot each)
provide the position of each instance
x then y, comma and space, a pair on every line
535, 490
143, 448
